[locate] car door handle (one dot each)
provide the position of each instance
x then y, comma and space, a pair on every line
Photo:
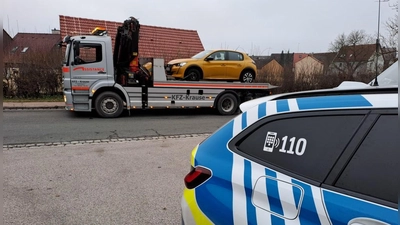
101, 72
222, 64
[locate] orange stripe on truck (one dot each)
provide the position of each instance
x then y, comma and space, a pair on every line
203, 85
80, 88
65, 69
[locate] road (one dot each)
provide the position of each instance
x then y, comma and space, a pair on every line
137, 182
45, 126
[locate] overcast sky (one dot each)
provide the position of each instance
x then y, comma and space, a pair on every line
258, 27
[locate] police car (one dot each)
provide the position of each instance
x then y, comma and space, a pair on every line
317, 157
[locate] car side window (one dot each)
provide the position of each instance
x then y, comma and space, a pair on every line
308, 146
90, 53
218, 55
235, 56
376, 162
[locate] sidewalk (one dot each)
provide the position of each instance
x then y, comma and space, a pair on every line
33, 105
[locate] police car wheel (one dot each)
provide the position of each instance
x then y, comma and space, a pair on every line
109, 105
227, 104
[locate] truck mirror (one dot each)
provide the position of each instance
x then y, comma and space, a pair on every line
76, 60
76, 48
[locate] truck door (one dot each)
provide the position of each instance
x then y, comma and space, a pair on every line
88, 65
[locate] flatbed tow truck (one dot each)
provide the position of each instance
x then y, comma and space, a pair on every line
96, 78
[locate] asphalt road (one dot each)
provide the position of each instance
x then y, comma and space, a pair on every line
137, 182
44, 126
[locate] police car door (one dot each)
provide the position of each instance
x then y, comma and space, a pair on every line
365, 189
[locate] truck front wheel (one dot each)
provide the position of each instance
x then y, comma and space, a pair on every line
227, 104
109, 105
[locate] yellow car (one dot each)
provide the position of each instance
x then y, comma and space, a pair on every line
214, 65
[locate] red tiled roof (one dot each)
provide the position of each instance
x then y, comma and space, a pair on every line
161, 42
298, 56
355, 53
32, 43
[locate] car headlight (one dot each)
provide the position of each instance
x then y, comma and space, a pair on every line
181, 64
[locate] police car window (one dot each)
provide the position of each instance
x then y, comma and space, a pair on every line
374, 169
307, 146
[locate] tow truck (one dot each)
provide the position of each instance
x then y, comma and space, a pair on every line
96, 77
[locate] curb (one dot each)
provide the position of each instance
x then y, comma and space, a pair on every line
33, 105
98, 141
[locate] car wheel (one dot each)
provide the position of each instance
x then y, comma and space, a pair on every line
247, 76
193, 75
109, 105
227, 104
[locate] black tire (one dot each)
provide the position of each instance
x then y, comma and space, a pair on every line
109, 105
247, 76
193, 75
227, 104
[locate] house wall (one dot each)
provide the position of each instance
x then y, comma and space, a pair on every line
308, 66
368, 67
271, 71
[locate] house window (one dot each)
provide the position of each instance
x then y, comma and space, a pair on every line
25, 49
14, 49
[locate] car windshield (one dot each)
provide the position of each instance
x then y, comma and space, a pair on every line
201, 54
388, 77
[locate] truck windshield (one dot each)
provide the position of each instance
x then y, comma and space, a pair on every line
66, 57
201, 54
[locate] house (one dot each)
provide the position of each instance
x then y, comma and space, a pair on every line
308, 65
285, 60
268, 69
389, 56
357, 60
7, 39
33, 55
299, 56
326, 58
154, 42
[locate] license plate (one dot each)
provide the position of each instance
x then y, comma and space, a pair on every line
168, 68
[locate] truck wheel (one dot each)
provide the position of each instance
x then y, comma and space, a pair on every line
109, 105
247, 76
227, 104
192, 75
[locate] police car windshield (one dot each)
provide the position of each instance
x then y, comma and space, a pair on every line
388, 77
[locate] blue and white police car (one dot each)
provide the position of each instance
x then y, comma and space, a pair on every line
317, 157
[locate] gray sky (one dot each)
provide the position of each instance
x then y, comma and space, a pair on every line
258, 27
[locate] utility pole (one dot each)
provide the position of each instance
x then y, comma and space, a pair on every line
377, 43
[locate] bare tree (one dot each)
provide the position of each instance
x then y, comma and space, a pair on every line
393, 28
354, 53
356, 37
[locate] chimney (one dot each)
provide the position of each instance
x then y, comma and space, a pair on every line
55, 31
